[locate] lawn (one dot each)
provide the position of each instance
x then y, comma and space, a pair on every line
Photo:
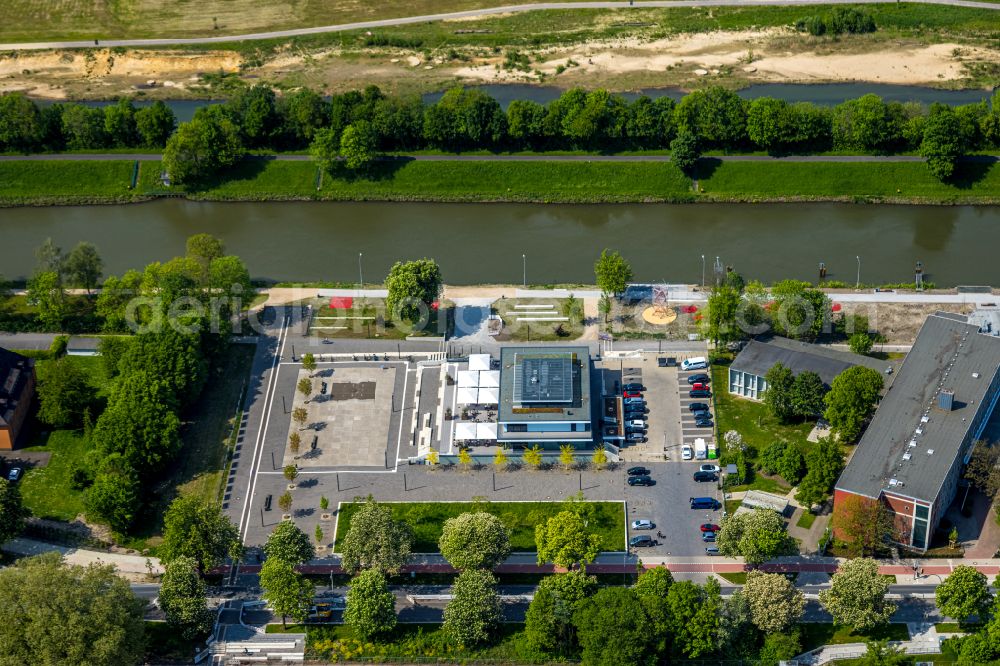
735, 577
427, 519
806, 520
65, 182
367, 318
911, 181
814, 634
522, 331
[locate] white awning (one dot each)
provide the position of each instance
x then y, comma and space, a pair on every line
479, 362
465, 430
467, 395
490, 378
489, 396
468, 378
486, 431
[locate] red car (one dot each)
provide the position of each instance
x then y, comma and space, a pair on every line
632, 394
698, 386
709, 527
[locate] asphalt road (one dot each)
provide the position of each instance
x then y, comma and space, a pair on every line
384, 23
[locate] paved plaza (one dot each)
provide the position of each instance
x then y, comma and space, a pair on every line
349, 422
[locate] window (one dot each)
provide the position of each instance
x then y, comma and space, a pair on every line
922, 511
516, 427
919, 533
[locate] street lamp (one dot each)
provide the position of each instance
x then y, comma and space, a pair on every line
702, 270
524, 268
361, 275
857, 285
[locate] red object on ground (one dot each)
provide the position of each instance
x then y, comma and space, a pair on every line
689, 309
836, 307
341, 303
435, 305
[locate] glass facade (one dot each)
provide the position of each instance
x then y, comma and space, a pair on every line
747, 385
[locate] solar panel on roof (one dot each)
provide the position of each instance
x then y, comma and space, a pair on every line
541, 379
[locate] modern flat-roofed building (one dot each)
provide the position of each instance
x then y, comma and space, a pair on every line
17, 387
913, 453
746, 372
545, 396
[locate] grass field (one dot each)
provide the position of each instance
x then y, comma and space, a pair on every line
814, 635
427, 518
65, 182
368, 318
538, 330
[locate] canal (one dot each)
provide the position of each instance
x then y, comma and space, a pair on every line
484, 243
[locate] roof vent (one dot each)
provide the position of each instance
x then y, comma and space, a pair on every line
975, 375
946, 400
893, 482
930, 452
924, 419
906, 456
920, 431
912, 443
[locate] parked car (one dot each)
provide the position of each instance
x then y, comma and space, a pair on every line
632, 394
712, 550
703, 420
700, 393
714, 469
633, 387
635, 401
699, 378
327, 341
702, 477
322, 388
640, 541
695, 363
698, 386
636, 423
642, 524
640, 481
708, 537
635, 438
14, 475
637, 471
636, 412
704, 503
697, 407
686, 452
710, 527
662, 362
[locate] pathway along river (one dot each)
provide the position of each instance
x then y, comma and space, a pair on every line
483, 243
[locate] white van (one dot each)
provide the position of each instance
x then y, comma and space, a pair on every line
696, 363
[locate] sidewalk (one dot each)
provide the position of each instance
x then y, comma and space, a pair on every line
135, 564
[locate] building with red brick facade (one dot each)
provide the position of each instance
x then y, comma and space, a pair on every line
17, 388
913, 453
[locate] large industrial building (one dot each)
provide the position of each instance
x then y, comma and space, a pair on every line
913, 453
545, 396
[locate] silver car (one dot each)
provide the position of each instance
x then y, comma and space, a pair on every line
642, 524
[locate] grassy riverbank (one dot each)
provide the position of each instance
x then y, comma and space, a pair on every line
57, 182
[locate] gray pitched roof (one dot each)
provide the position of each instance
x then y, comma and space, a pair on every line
15, 371
948, 354
761, 355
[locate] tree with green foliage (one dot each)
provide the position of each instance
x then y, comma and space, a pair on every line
285, 501
290, 472
64, 392
371, 607
476, 540
325, 148
115, 495
799, 311
155, 123
54, 613
851, 401
113, 302
861, 343
779, 393
685, 151
567, 456
942, 144
756, 536
600, 457
526, 123
770, 123
880, 653
779, 648
21, 127
300, 416
548, 622
412, 287
84, 266
288, 594
533, 456
723, 308
694, 617
358, 146
375, 540
964, 594
309, 363
716, 115
775, 603
288, 543
792, 464
46, 293
652, 588
613, 629
12, 511
807, 395
473, 615
119, 123
176, 360
865, 524
823, 465
983, 470
183, 599
564, 541
736, 629
139, 424
200, 530
612, 272
856, 595
83, 127
202, 147
253, 110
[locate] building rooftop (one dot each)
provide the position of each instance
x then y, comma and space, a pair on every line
912, 443
544, 384
759, 356
15, 372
